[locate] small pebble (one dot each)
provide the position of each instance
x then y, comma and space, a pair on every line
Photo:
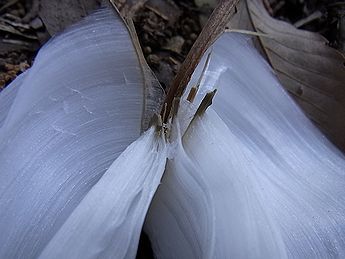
153, 59
193, 36
147, 50
175, 44
36, 23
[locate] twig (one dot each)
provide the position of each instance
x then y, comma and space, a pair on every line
253, 33
10, 29
314, 16
9, 4
213, 28
15, 24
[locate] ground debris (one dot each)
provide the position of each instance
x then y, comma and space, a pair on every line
21, 34
11, 65
167, 31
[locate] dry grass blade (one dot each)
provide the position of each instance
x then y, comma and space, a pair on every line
213, 28
311, 71
153, 91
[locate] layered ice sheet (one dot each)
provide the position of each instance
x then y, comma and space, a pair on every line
65, 122
7, 97
108, 221
252, 178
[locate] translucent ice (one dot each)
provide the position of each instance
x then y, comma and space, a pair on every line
66, 121
252, 178
108, 221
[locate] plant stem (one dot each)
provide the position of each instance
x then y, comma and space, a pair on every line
215, 25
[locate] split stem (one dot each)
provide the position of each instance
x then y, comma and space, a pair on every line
213, 28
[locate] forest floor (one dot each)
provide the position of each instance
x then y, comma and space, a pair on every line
166, 29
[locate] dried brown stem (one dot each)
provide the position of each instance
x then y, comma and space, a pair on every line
205, 103
213, 28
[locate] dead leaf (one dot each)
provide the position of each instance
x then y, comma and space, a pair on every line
241, 20
312, 72
58, 14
